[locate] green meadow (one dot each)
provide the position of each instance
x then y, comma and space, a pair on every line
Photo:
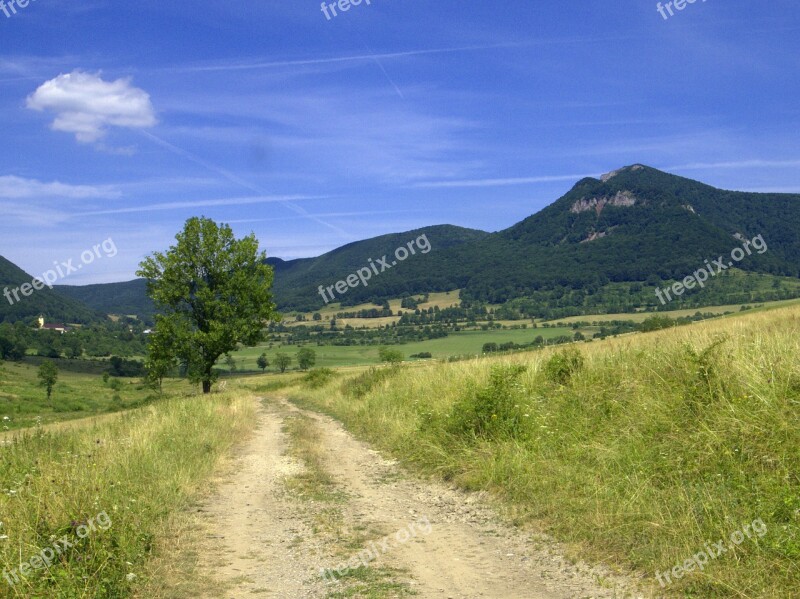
456, 344
24, 403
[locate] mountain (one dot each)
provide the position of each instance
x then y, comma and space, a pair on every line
129, 297
53, 306
297, 281
634, 225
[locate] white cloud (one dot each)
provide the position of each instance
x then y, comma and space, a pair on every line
86, 105
191, 205
502, 182
12, 187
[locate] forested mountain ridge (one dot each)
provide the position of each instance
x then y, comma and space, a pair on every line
44, 301
129, 297
297, 280
636, 224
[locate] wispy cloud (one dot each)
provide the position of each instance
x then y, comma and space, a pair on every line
324, 215
239, 66
243, 201
502, 182
233, 178
365, 133
37, 216
12, 187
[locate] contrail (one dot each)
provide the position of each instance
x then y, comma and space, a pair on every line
233, 178
351, 58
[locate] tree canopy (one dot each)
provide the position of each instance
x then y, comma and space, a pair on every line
282, 361
48, 376
213, 291
306, 358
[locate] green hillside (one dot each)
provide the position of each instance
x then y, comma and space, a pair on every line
296, 281
129, 297
44, 301
637, 225
638, 228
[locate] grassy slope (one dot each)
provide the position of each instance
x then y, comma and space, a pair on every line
137, 468
76, 395
654, 448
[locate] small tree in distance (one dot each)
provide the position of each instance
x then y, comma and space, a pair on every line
159, 362
306, 358
282, 361
392, 356
48, 375
262, 362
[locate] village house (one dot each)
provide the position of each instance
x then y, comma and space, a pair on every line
58, 328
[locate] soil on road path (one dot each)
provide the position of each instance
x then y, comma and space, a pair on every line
266, 536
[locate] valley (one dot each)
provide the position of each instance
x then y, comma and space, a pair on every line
434, 300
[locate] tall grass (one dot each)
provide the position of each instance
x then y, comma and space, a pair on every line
639, 451
136, 468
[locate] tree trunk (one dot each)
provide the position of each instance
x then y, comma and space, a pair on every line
206, 386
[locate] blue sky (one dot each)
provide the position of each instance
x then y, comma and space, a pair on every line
124, 119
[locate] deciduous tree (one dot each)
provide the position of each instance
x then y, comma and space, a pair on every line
48, 376
306, 358
213, 292
282, 361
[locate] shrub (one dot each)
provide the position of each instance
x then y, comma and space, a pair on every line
392, 356
705, 383
563, 365
271, 386
656, 323
126, 368
495, 411
365, 382
318, 377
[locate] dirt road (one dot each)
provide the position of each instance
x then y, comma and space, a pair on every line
265, 539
